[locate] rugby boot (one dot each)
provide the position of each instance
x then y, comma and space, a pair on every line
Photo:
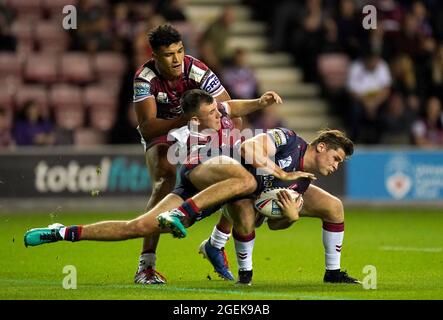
244, 277
337, 276
172, 219
218, 259
38, 236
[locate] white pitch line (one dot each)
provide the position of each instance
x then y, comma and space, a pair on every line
416, 249
247, 293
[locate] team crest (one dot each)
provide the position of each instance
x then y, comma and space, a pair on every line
162, 97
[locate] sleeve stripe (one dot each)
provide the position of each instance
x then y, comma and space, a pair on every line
218, 91
142, 98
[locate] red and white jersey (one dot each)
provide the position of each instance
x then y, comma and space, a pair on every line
192, 140
195, 75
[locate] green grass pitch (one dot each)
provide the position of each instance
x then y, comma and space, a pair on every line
405, 247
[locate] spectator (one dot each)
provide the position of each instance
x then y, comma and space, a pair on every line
172, 10
350, 31
404, 80
7, 41
213, 44
239, 79
311, 39
5, 132
396, 122
369, 83
31, 128
437, 72
428, 131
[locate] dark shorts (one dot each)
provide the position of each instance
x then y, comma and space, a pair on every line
185, 189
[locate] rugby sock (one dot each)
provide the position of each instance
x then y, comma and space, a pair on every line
333, 234
147, 259
244, 245
189, 208
219, 237
71, 233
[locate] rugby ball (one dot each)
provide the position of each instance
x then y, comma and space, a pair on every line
266, 203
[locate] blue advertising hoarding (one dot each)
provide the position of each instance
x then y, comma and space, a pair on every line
395, 175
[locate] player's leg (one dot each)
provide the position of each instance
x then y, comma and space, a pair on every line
106, 230
213, 248
321, 204
220, 179
243, 216
162, 174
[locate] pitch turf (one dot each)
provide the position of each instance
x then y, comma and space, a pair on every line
406, 247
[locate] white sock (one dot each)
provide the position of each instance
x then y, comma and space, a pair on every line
333, 235
244, 247
146, 260
62, 232
219, 238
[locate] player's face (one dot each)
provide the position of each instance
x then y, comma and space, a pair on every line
170, 59
328, 159
209, 116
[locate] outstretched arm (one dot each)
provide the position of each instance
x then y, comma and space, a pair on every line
240, 108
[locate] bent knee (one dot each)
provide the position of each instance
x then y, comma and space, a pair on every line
249, 184
335, 212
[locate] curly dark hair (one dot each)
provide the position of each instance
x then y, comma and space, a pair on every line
163, 35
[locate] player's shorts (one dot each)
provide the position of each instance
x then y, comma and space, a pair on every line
154, 141
185, 189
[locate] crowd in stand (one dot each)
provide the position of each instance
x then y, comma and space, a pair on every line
385, 83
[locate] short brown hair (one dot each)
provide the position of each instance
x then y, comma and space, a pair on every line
334, 139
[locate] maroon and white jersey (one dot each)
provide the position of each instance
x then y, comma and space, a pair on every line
192, 141
195, 75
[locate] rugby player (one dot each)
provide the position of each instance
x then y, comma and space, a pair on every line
159, 85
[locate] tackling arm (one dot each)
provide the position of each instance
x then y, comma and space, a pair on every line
150, 126
240, 108
257, 152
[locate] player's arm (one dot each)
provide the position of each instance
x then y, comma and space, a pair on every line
240, 108
258, 150
290, 209
150, 126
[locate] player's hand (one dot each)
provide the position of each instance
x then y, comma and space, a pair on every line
269, 98
290, 208
297, 175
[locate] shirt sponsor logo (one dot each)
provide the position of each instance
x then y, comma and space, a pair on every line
279, 137
211, 84
284, 163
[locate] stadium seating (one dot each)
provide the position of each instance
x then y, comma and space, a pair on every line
102, 107
42, 68
109, 67
10, 68
76, 67
67, 103
29, 9
22, 30
89, 137
50, 36
333, 69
